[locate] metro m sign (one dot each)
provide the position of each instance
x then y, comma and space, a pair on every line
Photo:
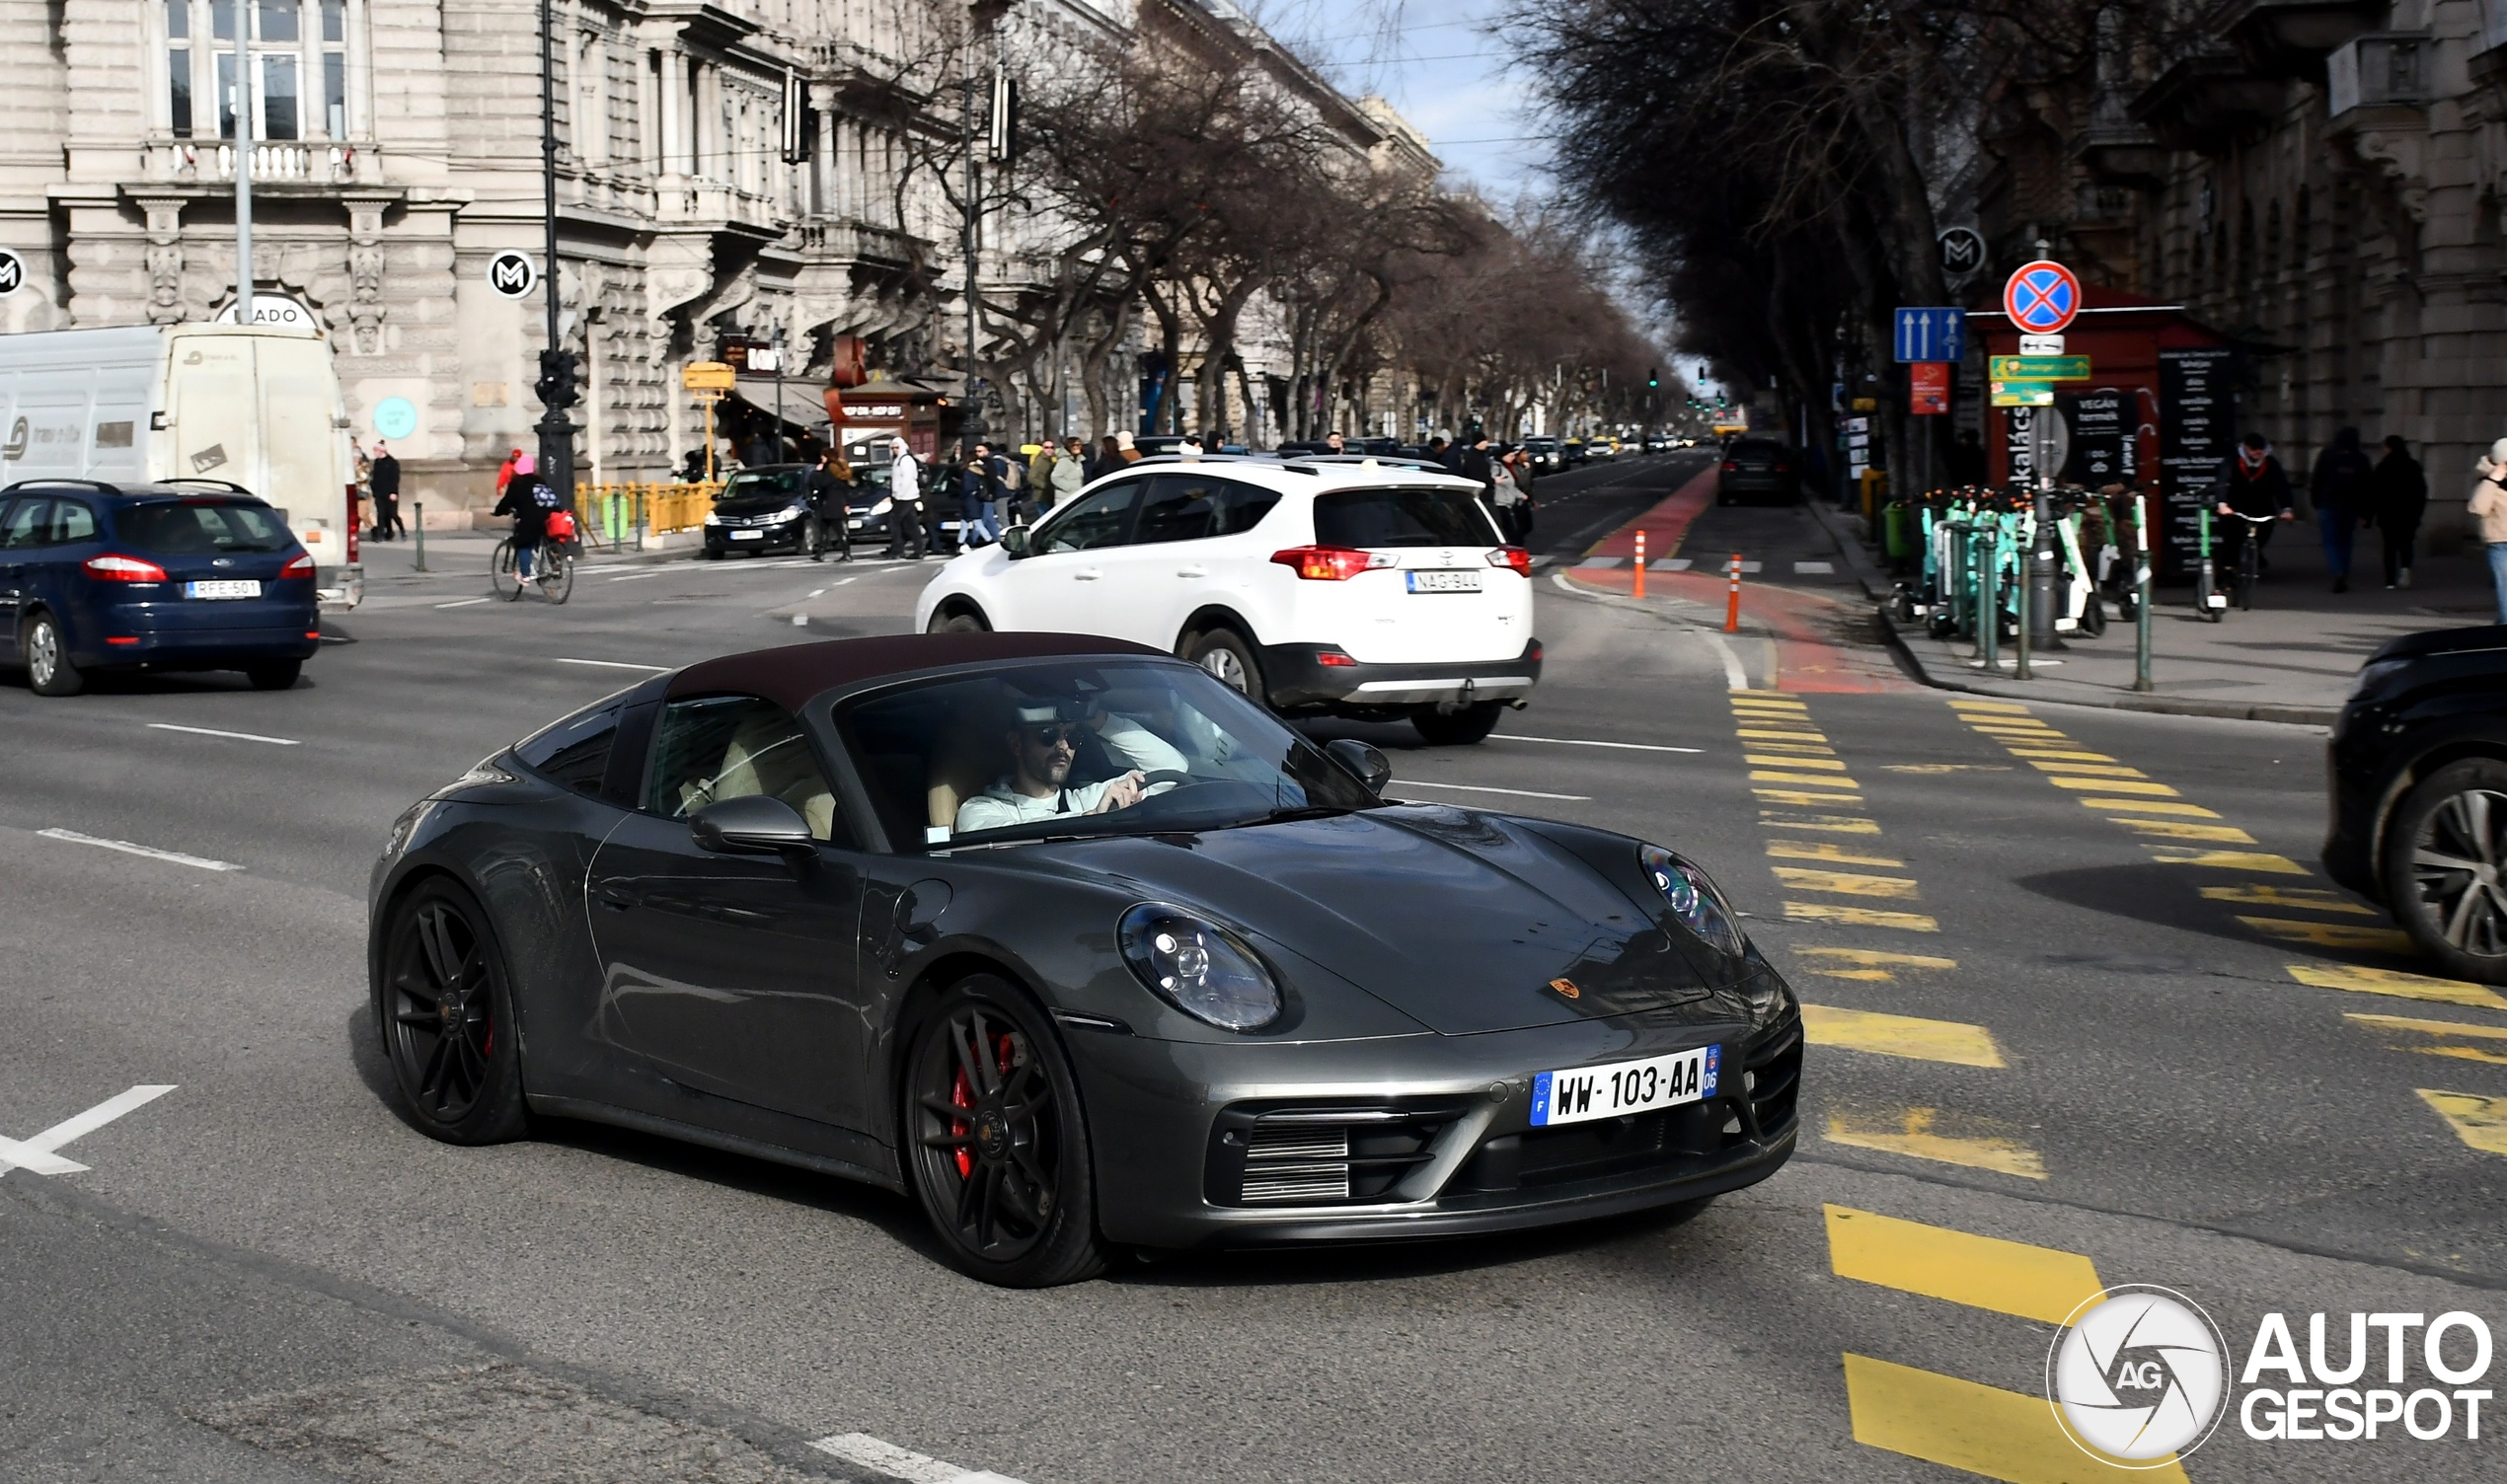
512, 275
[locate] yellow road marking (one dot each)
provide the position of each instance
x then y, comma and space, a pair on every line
1769, 708
2302, 898
2089, 770
1859, 917
2174, 828
1822, 763
1771, 776
1845, 883
1821, 849
2010, 707
1910, 1134
2148, 806
2232, 860
2480, 1122
2395, 982
2114, 787
1984, 1430
1796, 796
2442, 1029
2332, 934
2028, 1282
1833, 824
1806, 749
1804, 735
2057, 751
1906, 1036
1929, 768
1874, 958
2016, 729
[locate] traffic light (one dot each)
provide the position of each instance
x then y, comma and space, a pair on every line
1654, 378
556, 385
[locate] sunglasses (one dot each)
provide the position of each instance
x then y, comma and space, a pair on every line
1045, 734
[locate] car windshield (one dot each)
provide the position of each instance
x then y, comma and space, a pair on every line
187, 527
1083, 747
1370, 519
768, 482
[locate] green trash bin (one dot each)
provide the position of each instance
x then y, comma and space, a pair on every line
1897, 541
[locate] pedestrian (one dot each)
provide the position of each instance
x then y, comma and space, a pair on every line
979, 500
1042, 456
1190, 447
386, 484
505, 474
2340, 490
1067, 476
831, 499
2400, 493
1967, 461
1436, 450
1110, 457
2251, 482
1472, 463
1333, 443
2489, 507
905, 501
762, 450
1124, 448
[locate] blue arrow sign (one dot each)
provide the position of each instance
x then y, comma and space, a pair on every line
1931, 334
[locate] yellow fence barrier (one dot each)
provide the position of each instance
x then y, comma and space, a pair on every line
617, 512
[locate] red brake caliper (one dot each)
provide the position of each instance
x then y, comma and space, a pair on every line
962, 1094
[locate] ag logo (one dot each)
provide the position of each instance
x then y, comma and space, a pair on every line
512, 273
12, 272
2138, 1376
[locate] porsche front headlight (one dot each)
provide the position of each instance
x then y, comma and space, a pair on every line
1198, 967
1694, 900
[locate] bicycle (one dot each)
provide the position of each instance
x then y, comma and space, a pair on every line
553, 571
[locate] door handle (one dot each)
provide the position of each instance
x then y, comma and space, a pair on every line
1085, 575
1193, 572
619, 897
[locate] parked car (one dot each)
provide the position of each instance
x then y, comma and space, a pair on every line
765, 511
178, 575
1350, 587
1075, 949
1757, 469
2420, 795
1574, 451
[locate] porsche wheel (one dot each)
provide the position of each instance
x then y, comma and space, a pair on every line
447, 1018
2445, 852
997, 1142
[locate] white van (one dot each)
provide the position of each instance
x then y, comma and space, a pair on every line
254, 406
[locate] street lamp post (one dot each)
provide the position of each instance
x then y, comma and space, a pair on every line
556, 385
244, 166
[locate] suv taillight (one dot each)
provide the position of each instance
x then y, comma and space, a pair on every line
1731, 466
1513, 556
352, 526
115, 568
299, 565
1331, 564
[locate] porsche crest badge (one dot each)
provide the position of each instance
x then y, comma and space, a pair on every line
1567, 989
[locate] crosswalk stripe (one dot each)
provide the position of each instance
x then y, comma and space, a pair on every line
1800, 796
2332, 934
2442, 1031
2398, 983
2149, 805
2106, 769
2178, 829
2297, 898
2028, 1282
1833, 824
1874, 958
2480, 1122
2228, 860
1844, 883
1919, 1040
2058, 754
1860, 917
2113, 785
1960, 1424
2010, 707
1804, 734
1816, 780
1796, 759
1911, 1132
1823, 849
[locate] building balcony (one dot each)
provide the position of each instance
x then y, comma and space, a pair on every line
276, 164
2121, 153
2208, 102
2292, 39
832, 239
689, 200
2383, 70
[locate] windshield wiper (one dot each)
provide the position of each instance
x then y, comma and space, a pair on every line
1301, 811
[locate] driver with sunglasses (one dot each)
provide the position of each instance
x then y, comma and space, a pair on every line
1043, 742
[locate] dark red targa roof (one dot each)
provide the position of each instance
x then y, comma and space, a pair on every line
791, 675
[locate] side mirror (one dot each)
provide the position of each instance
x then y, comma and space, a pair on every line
1366, 763
1014, 541
752, 825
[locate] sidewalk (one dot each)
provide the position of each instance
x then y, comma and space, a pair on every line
2293, 659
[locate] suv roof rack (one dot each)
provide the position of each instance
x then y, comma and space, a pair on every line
194, 479
98, 485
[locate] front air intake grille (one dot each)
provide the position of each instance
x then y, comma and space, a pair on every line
1316, 1154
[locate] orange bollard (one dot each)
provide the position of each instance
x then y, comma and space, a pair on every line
1732, 604
1641, 564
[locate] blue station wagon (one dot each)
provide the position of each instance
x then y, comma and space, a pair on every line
178, 576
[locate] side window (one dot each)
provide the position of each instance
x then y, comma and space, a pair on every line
72, 521
718, 747
1179, 508
1096, 519
26, 524
575, 753
1241, 508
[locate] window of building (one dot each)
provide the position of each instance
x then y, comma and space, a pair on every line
298, 52
178, 66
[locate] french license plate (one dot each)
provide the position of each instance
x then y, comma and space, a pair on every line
1443, 582
1585, 1094
223, 587
748, 536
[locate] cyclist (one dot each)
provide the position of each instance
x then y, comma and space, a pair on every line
528, 499
2251, 484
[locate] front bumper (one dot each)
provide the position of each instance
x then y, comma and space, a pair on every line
1297, 678
1162, 1115
780, 538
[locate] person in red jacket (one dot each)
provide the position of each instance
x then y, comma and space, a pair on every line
504, 475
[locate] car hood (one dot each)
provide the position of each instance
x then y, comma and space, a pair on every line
2430, 642
1464, 921
756, 505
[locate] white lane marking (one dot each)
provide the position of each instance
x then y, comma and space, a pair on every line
801, 620
1580, 798
210, 731
149, 850
37, 1154
901, 1463
1735, 677
614, 664
1582, 742
641, 576
841, 582
1814, 568
815, 591
464, 602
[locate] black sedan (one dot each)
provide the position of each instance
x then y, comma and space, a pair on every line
1758, 469
1079, 948
2419, 783
766, 509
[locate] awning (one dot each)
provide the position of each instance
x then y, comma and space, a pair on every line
804, 404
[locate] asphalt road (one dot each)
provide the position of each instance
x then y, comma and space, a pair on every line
2037, 1022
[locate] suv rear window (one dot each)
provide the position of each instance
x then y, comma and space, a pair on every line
1754, 448
1367, 519
184, 528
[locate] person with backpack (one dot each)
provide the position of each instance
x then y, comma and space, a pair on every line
529, 500
2343, 494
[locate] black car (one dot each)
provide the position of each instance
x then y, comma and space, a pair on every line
1758, 469
765, 511
1077, 947
2420, 795
1545, 455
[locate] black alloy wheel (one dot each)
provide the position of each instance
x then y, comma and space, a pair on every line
1473, 723
997, 1142
273, 675
48, 670
447, 1018
2445, 854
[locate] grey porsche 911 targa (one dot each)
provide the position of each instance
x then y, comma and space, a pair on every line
1080, 948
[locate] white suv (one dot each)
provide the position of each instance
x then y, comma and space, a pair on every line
1321, 586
